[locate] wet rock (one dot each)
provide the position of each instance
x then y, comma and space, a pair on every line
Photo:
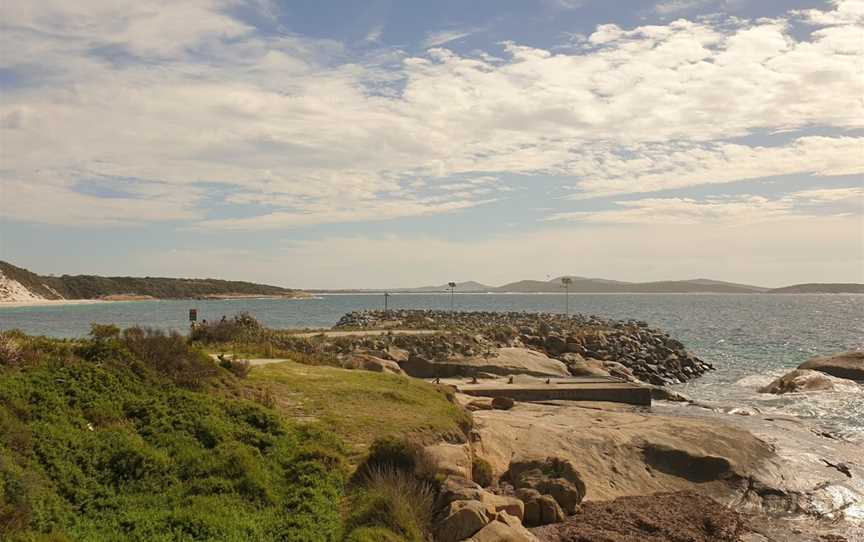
849, 365
800, 380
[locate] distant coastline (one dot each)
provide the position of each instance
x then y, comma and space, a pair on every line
23, 287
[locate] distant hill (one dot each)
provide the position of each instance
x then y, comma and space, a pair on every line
468, 286
18, 284
593, 285
815, 288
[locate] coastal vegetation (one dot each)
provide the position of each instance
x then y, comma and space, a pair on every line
97, 287
138, 434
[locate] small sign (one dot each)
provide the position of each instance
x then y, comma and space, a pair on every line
193, 315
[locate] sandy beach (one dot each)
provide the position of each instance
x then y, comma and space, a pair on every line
51, 302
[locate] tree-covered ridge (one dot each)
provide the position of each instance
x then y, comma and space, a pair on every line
94, 287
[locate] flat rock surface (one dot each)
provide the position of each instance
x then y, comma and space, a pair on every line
623, 451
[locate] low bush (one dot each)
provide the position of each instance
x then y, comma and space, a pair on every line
168, 355
394, 502
481, 472
241, 327
98, 452
396, 454
11, 353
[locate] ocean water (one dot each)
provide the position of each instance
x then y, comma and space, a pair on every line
749, 338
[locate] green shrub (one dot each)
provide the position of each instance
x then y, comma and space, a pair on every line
97, 452
373, 534
241, 327
399, 454
394, 500
169, 355
481, 472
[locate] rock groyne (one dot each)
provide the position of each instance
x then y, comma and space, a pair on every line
644, 353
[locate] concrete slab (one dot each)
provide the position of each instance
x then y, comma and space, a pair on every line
585, 388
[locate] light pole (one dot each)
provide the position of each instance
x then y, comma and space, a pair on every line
452, 286
386, 299
567, 281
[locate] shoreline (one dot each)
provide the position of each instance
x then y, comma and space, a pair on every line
134, 299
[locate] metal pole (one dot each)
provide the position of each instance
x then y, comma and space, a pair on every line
452, 286
566, 282
386, 298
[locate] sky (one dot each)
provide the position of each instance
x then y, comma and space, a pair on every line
328, 144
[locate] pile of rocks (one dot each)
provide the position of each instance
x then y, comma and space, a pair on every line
628, 349
545, 492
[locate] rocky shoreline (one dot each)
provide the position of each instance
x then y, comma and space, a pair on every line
589, 471
582, 343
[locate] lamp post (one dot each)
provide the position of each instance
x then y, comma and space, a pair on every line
566, 281
452, 286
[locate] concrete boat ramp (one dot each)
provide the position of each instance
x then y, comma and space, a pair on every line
584, 388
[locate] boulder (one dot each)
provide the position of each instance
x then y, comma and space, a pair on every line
394, 353
481, 403
532, 517
451, 459
501, 531
800, 380
368, 362
507, 361
588, 368
457, 488
550, 511
849, 365
553, 476
502, 403
463, 520
502, 503
554, 345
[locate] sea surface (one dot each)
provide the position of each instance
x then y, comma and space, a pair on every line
750, 339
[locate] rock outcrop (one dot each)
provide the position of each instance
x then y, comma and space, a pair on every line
505, 361
368, 362
802, 380
849, 365
468, 512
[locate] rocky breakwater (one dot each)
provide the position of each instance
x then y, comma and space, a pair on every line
627, 349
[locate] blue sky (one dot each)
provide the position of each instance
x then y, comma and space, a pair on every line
385, 143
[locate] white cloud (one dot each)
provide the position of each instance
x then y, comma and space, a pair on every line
442, 37
670, 166
844, 12
746, 209
292, 127
675, 6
